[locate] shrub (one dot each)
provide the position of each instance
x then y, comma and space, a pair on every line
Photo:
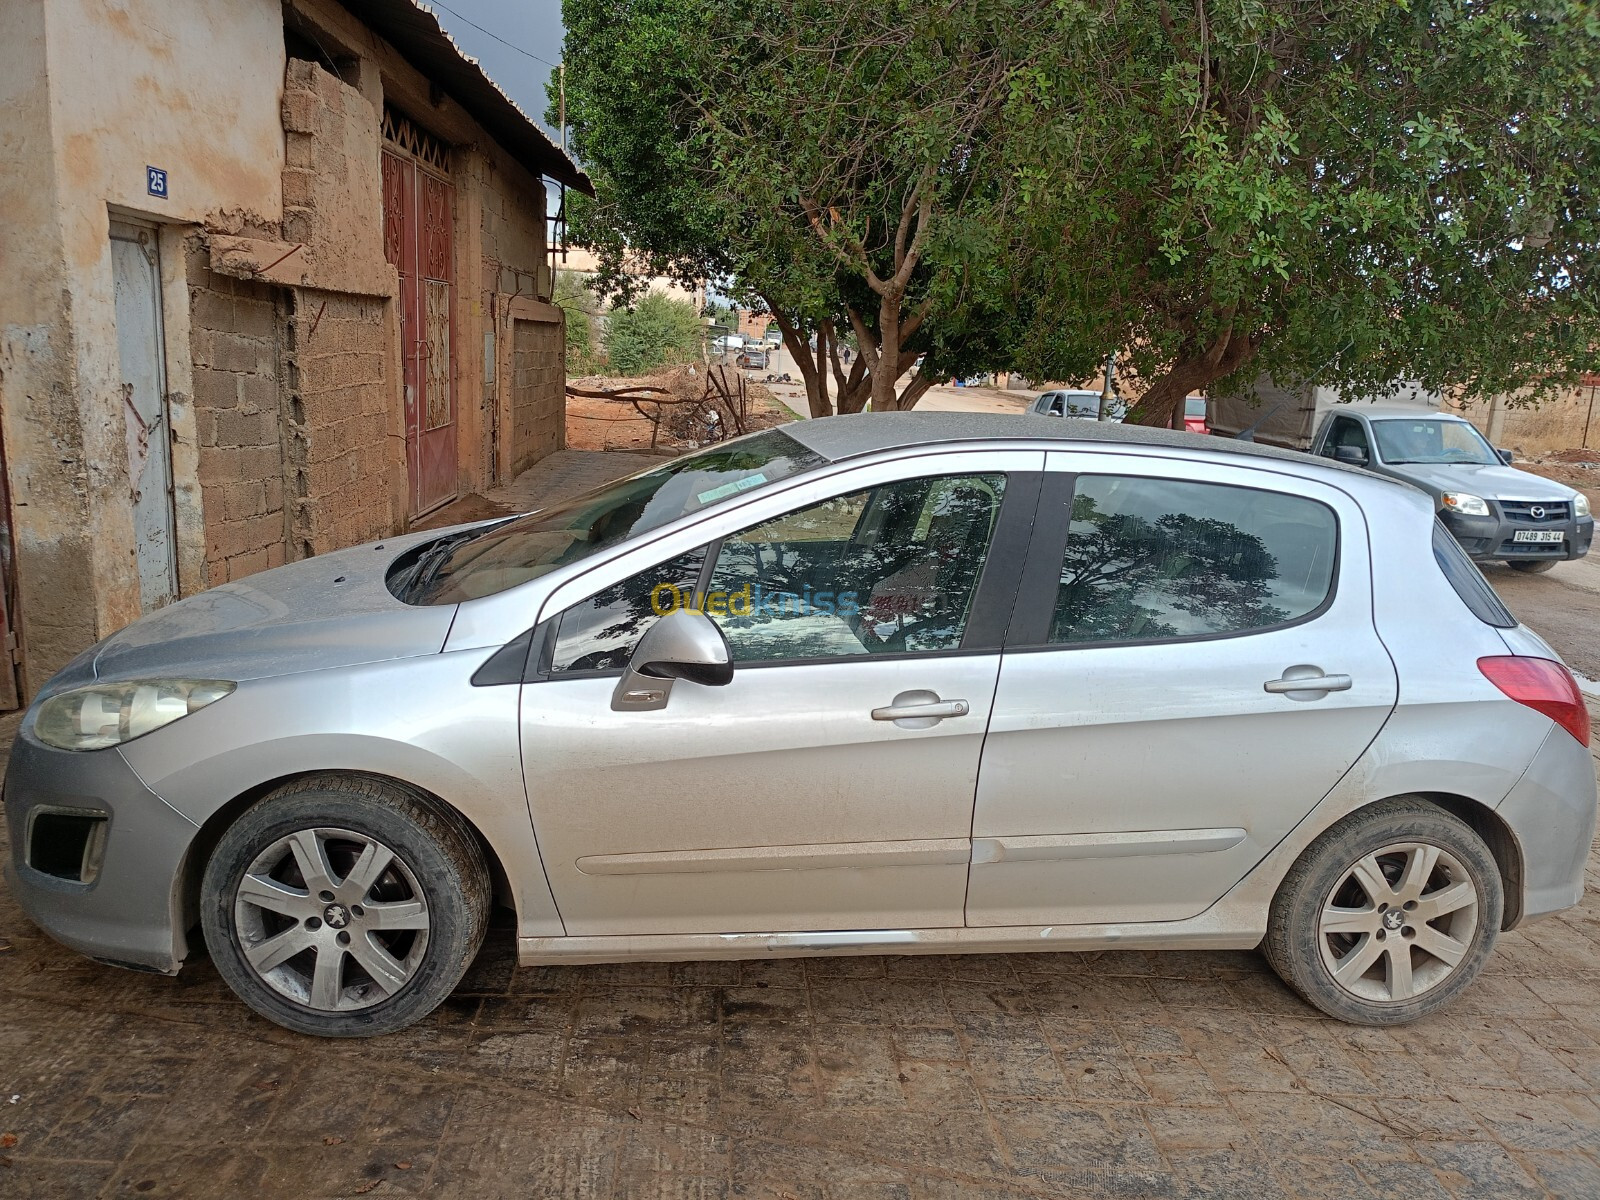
657, 331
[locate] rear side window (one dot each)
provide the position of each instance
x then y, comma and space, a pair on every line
1468, 581
1163, 559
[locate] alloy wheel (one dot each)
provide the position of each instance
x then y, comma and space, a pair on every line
331, 919
1398, 923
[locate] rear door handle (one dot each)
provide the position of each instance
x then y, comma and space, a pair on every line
1308, 683
920, 710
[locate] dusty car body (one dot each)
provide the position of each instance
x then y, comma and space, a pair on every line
737, 706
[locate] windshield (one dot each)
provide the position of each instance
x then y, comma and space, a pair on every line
503, 556
1194, 407
1410, 440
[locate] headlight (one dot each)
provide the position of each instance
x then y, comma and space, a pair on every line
1580, 505
1467, 506
108, 714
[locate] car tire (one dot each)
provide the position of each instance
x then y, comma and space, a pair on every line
1337, 941
1532, 566
399, 911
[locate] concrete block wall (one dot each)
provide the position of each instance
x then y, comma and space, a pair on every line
234, 344
341, 466
538, 391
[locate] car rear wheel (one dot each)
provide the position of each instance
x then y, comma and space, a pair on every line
1388, 915
1533, 566
345, 907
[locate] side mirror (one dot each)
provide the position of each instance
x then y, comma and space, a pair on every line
1353, 456
681, 645
1505, 456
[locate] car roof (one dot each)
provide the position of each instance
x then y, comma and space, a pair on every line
1410, 412
836, 438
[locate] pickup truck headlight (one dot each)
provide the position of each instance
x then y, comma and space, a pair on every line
1467, 506
108, 714
1580, 505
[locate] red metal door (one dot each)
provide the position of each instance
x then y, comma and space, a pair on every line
418, 209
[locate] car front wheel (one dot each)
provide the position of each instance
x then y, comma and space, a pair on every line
1388, 915
1532, 566
345, 907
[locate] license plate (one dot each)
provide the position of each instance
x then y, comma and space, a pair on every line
1537, 535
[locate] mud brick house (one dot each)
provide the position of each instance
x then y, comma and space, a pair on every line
276, 280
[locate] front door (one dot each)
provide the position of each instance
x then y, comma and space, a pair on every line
1149, 744
800, 796
141, 353
419, 242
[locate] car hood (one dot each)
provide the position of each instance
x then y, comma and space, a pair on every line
1491, 482
330, 611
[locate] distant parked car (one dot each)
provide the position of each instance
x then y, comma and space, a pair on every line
1075, 403
1494, 510
1194, 414
752, 358
906, 683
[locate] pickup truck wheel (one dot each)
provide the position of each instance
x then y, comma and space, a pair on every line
1388, 915
1533, 566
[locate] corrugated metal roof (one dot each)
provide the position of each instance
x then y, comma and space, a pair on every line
415, 32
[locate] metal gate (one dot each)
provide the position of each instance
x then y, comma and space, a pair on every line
141, 352
418, 239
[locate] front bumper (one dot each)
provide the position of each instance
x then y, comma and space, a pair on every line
122, 904
1493, 537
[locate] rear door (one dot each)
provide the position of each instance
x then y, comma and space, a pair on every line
1148, 745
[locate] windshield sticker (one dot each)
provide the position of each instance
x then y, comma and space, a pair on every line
729, 489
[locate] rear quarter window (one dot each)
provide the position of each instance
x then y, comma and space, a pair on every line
1468, 581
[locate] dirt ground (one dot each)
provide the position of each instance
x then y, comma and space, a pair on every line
1020, 1077
617, 424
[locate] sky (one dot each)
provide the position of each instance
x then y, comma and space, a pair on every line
531, 27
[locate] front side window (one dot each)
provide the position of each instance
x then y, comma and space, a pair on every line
1402, 440
1346, 432
890, 570
481, 563
1160, 559
599, 634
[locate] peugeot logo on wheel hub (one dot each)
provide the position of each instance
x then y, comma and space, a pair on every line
336, 916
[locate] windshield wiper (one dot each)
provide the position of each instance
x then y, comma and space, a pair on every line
422, 572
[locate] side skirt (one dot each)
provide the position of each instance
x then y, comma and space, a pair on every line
1215, 929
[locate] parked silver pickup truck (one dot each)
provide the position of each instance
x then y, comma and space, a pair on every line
1494, 510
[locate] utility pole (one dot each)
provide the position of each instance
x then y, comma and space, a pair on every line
1108, 394
561, 101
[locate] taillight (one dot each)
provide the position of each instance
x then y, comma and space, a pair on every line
1543, 685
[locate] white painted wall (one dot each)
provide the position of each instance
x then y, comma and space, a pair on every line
194, 89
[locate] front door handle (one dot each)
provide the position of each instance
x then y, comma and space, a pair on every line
920, 710
1308, 682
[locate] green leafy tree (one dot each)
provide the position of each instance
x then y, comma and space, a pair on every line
1349, 193
836, 163
656, 331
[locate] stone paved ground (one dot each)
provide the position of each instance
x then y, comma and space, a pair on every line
1117, 1075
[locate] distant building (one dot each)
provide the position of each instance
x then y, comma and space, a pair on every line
583, 262
277, 281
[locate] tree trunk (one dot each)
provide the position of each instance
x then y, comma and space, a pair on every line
813, 370
1162, 403
886, 371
